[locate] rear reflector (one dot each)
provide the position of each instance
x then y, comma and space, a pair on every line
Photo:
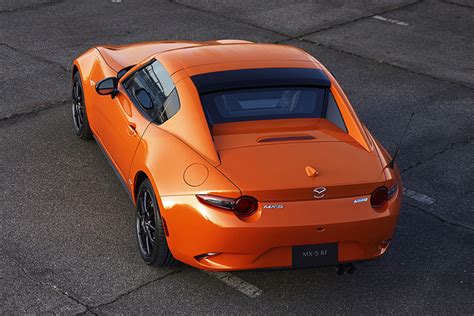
206, 255
165, 227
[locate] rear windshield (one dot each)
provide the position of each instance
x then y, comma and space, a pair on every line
263, 104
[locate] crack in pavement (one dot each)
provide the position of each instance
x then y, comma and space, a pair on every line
382, 62
46, 284
458, 4
39, 58
440, 218
289, 37
451, 146
229, 18
32, 112
333, 26
133, 290
88, 308
34, 6
301, 37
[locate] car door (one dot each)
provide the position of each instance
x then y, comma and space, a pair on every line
120, 129
140, 101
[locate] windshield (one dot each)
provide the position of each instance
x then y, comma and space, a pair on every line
263, 104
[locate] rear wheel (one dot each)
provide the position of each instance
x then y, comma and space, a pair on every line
79, 117
151, 235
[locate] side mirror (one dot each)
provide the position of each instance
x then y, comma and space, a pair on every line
107, 86
144, 98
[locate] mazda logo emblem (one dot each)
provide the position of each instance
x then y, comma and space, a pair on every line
319, 192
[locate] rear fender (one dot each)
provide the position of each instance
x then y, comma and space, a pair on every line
176, 169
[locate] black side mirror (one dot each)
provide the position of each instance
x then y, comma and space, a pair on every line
144, 98
107, 86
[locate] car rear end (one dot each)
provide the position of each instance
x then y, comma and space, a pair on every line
311, 194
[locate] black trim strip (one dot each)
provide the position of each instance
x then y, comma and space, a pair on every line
117, 173
260, 77
286, 138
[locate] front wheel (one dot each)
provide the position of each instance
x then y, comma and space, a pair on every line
149, 228
79, 117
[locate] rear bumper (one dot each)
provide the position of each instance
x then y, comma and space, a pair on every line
265, 239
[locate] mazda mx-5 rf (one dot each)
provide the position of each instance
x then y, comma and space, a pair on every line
237, 155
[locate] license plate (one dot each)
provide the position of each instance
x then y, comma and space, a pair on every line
315, 255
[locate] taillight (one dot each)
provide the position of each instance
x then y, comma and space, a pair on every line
242, 206
217, 201
379, 197
245, 206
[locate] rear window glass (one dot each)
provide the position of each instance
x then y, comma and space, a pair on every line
263, 104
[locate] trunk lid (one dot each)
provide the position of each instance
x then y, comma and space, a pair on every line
268, 159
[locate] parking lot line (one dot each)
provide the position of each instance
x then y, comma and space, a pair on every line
388, 20
420, 197
237, 283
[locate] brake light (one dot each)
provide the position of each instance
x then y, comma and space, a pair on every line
379, 197
245, 206
242, 206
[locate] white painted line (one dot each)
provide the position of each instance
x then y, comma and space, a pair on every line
237, 283
420, 197
393, 21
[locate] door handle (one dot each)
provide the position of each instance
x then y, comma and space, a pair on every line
133, 128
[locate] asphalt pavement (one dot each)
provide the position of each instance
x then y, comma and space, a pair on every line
67, 241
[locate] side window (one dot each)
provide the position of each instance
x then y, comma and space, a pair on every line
170, 107
154, 92
333, 114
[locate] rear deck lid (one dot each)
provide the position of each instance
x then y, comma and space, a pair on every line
269, 159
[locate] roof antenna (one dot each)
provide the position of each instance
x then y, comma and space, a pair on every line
392, 162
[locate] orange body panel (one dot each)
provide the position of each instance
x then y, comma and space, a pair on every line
182, 157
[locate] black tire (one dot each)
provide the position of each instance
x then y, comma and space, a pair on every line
151, 236
79, 116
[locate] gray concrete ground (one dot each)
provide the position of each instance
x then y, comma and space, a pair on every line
67, 231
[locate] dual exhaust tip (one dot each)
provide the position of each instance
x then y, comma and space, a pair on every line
345, 268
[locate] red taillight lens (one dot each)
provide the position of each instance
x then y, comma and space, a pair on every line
245, 206
242, 206
379, 197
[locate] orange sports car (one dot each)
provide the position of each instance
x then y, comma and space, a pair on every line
237, 155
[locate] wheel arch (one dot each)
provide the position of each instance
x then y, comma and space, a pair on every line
75, 69
140, 176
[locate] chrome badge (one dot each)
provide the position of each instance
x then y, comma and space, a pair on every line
273, 206
319, 192
361, 200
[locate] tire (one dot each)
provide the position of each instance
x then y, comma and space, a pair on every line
79, 116
151, 236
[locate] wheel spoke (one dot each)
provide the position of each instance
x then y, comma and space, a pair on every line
150, 226
147, 244
146, 227
144, 206
79, 117
77, 106
150, 237
75, 91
